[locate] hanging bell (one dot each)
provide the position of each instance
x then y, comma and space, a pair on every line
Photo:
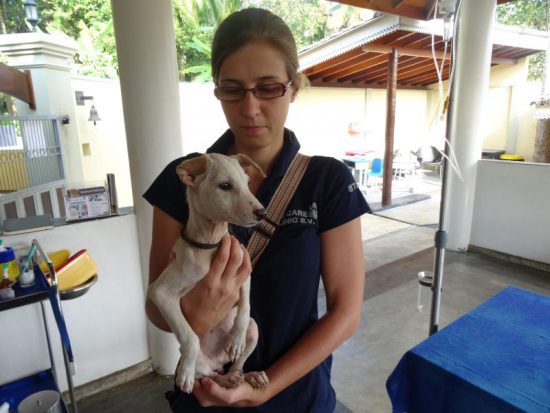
94, 117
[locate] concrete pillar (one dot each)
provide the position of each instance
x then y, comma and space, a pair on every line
471, 82
148, 73
49, 59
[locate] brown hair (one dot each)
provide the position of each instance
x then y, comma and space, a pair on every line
247, 25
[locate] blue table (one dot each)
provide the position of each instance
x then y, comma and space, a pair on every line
496, 358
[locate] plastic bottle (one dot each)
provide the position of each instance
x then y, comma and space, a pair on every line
7, 256
6, 285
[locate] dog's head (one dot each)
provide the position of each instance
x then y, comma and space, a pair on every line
217, 188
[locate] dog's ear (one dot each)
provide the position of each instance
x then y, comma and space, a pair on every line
250, 167
189, 169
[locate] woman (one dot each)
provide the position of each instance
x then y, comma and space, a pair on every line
255, 69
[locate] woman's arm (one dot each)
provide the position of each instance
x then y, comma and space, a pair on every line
210, 300
343, 272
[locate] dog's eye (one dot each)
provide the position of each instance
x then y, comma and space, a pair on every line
225, 186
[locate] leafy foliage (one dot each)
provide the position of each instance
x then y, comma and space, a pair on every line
90, 23
532, 14
12, 17
195, 21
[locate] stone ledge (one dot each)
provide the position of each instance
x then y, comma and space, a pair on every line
542, 266
112, 380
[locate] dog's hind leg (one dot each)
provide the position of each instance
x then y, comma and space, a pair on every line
166, 296
257, 379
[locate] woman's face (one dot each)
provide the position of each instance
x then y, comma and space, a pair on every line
256, 123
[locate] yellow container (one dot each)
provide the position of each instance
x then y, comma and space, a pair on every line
508, 157
58, 258
78, 269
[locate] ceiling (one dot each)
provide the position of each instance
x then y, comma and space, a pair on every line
358, 57
416, 9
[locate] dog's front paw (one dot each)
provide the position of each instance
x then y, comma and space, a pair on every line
235, 345
257, 379
185, 377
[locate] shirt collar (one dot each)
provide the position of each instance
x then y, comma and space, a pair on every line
291, 146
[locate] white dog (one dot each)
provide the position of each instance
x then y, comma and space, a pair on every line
217, 194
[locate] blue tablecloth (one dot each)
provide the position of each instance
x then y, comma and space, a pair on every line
496, 358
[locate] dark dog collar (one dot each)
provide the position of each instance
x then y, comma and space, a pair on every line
200, 245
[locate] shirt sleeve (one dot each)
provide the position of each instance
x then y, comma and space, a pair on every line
342, 200
167, 192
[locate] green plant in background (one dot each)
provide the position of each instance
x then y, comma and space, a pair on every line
530, 14
90, 23
12, 17
195, 22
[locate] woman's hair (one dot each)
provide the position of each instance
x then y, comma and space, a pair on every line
248, 25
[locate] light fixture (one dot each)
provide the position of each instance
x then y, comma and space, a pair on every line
31, 13
80, 100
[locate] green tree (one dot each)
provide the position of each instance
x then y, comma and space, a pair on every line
90, 23
306, 18
12, 17
531, 14
195, 22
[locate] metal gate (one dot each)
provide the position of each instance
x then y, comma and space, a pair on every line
30, 152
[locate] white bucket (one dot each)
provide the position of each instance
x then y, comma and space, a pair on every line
46, 401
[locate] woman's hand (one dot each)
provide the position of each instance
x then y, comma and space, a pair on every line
206, 305
209, 393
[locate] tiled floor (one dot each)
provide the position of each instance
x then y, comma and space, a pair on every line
398, 244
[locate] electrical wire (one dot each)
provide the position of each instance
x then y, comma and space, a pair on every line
452, 160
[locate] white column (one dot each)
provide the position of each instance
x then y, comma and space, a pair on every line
148, 73
471, 82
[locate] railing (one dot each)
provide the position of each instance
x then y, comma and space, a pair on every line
38, 200
30, 152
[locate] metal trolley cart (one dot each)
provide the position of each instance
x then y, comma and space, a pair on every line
41, 292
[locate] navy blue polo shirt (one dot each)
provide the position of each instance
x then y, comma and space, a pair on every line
285, 281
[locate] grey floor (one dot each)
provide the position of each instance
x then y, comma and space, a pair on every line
398, 243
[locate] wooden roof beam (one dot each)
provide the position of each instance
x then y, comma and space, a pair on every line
405, 51
17, 83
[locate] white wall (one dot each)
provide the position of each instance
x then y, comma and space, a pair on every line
202, 117
511, 209
319, 116
102, 147
320, 119
107, 325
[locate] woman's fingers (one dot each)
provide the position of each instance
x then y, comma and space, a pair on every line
231, 265
235, 257
222, 256
211, 299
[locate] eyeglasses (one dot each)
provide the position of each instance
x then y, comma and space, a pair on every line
236, 93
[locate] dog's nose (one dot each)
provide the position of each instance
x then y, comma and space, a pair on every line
260, 213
